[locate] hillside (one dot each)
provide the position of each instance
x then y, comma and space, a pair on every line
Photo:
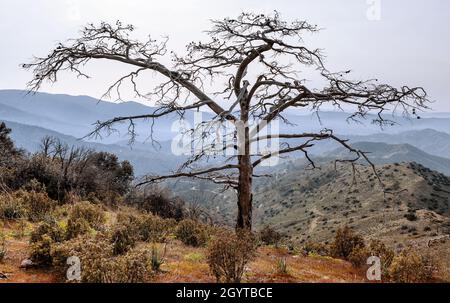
382, 153
311, 205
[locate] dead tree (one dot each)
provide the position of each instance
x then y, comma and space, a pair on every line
259, 58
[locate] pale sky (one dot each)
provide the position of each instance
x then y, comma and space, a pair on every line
407, 43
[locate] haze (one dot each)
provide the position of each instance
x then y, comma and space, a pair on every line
405, 42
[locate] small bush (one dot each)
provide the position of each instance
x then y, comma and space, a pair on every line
358, 256
41, 251
3, 249
229, 253
50, 228
76, 227
269, 236
156, 259
130, 268
281, 266
93, 253
411, 216
99, 265
38, 205
42, 240
345, 242
124, 237
386, 255
91, 213
409, 267
320, 249
191, 233
155, 229
11, 209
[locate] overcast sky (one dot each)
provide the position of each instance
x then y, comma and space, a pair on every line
398, 41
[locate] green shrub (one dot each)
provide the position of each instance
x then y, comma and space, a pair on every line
191, 233
229, 253
50, 228
41, 251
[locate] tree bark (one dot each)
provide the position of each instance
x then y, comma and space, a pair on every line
245, 196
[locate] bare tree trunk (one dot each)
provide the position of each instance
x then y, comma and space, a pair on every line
245, 196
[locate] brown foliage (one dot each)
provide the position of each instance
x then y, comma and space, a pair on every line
229, 253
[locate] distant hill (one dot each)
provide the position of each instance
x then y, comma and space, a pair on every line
382, 153
429, 140
75, 115
148, 160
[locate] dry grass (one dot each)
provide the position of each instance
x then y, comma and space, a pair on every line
188, 264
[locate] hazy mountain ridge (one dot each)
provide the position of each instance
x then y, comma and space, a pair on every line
382, 153
144, 161
75, 115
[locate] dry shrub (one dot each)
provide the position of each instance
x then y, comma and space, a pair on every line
314, 248
359, 255
149, 227
124, 237
345, 242
41, 241
192, 233
98, 263
229, 253
386, 255
92, 251
410, 267
155, 229
83, 217
3, 248
269, 236
134, 267
89, 212
11, 209
76, 227
37, 203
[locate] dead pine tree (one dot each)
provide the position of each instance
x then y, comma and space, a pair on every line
254, 63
